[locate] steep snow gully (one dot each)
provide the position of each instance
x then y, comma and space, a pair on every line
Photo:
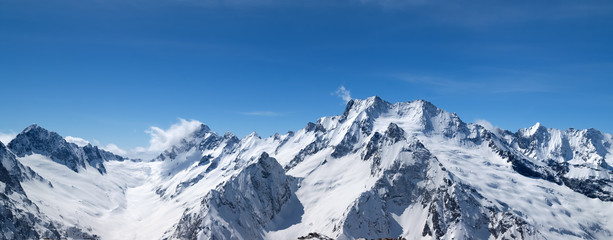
378, 170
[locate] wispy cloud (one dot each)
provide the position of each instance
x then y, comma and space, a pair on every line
483, 13
475, 9
76, 140
509, 83
343, 93
473, 13
159, 140
489, 126
7, 137
262, 113
163, 139
115, 149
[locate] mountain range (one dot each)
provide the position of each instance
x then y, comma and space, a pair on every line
378, 170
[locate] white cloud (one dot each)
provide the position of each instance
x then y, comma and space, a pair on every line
76, 140
139, 150
488, 125
163, 139
485, 123
115, 149
262, 113
7, 137
160, 140
343, 93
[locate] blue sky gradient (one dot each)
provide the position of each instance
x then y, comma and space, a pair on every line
106, 71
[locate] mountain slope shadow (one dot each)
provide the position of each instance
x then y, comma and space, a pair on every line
259, 199
290, 214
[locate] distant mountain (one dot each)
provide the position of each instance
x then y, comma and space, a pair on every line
575, 158
35, 139
377, 170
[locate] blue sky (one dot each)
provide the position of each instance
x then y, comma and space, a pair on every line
107, 71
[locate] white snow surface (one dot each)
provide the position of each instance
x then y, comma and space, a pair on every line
146, 199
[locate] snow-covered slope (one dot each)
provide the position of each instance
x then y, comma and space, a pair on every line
379, 169
20, 218
258, 199
578, 159
35, 139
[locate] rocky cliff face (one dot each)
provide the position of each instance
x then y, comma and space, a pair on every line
19, 217
380, 180
35, 139
416, 186
574, 158
244, 207
377, 170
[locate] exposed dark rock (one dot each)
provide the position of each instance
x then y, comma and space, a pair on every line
35, 139
243, 205
310, 149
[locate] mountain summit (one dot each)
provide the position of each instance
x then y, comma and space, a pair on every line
37, 140
377, 170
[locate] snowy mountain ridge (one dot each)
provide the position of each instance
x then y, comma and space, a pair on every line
20, 218
35, 139
379, 169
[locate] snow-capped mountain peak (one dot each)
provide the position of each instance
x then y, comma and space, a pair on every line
370, 106
538, 127
201, 131
378, 170
374, 114
37, 140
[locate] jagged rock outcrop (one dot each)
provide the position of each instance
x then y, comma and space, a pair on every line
399, 170
243, 207
202, 138
574, 158
443, 207
35, 139
19, 217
